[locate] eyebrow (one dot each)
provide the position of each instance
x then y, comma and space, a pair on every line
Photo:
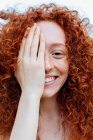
57, 44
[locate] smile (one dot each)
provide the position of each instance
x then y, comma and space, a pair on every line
50, 81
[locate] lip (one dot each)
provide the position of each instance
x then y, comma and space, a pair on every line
51, 83
47, 76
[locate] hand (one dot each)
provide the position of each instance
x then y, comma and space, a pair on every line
30, 71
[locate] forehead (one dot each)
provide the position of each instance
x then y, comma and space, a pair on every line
52, 32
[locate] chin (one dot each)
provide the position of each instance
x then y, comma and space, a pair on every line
49, 95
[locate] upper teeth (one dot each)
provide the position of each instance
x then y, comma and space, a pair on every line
49, 79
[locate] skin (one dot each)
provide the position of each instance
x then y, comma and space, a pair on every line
55, 64
37, 103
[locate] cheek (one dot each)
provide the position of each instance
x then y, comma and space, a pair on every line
63, 66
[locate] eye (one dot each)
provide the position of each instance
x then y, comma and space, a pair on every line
57, 54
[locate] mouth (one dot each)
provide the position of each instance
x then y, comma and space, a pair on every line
51, 81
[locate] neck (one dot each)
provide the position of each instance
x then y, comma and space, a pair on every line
48, 107
49, 119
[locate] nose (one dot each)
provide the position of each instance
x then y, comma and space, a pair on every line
48, 63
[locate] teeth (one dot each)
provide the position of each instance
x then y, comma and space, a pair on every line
49, 79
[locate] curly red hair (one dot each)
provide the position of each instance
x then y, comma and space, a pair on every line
75, 99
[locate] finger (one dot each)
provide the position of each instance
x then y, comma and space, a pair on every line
41, 52
21, 51
35, 44
29, 41
26, 33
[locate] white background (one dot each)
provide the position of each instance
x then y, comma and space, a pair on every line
85, 7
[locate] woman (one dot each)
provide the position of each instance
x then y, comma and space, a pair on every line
46, 76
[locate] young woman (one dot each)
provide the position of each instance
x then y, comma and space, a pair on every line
46, 76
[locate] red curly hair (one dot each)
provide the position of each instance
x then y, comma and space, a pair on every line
76, 104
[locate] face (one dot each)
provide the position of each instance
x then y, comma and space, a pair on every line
56, 57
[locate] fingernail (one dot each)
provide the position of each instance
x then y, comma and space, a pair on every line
28, 28
26, 33
34, 24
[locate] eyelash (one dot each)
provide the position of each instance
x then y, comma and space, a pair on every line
58, 54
